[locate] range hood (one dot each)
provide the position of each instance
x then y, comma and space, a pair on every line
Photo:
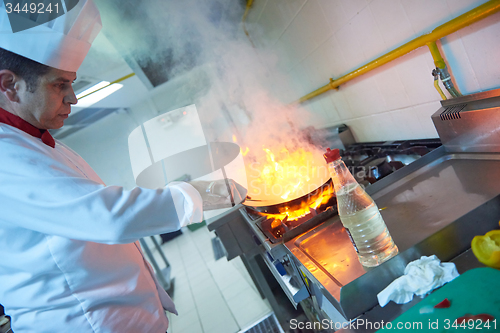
159, 45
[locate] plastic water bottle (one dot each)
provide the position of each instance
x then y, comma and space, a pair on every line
360, 215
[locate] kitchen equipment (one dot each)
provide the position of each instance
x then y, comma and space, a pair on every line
470, 123
273, 207
243, 233
282, 230
435, 204
283, 221
474, 292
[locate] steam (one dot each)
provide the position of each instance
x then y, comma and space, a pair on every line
238, 101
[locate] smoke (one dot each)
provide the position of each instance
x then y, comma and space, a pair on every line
239, 101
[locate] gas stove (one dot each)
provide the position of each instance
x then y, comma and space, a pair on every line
282, 230
274, 237
368, 162
372, 161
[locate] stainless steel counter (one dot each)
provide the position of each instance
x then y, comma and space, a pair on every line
391, 311
427, 208
449, 186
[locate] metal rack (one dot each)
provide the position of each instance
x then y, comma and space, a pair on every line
163, 275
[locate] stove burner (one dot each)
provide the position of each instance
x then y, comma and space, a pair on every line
372, 161
278, 230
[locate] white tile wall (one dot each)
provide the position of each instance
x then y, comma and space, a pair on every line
285, 52
322, 110
314, 66
392, 21
300, 81
396, 100
424, 113
335, 64
406, 123
391, 87
425, 15
482, 44
363, 128
415, 69
367, 33
276, 17
458, 7
334, 14
353, 7
340, 101
370, 101
306, 32
459, 66
350, 46
330, 110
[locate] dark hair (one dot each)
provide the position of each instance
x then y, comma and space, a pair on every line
30, 71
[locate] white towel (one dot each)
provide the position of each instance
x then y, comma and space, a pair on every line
421, 277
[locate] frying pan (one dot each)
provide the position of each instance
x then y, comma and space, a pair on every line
273, 207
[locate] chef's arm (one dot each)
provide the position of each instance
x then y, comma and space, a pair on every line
53, 198
79, 208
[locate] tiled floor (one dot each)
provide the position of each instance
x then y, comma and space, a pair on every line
211, 296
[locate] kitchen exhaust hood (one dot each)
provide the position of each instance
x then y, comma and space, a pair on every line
159, 45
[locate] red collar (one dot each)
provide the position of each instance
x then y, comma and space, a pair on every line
13, 120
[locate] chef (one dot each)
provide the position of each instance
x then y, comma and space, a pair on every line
71, 259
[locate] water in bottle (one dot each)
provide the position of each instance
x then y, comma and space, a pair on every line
360, 215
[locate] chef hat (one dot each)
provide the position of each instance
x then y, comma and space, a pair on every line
61, 43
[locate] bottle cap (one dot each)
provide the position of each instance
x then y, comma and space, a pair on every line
331, 155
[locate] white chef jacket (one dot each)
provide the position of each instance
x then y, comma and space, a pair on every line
70, 256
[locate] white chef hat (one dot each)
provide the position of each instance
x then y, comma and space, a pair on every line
61, 43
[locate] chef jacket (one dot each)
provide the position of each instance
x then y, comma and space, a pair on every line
70, 256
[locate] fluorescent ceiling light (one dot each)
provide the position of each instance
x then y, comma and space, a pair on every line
98, 95
93, 88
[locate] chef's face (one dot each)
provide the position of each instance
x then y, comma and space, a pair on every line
50, 104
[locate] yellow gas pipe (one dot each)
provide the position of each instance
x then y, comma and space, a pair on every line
436, 55
445, 29
439, 62
249, 5
438, 88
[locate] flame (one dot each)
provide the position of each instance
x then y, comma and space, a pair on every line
289, 170
283, 175
305, 208
243, 152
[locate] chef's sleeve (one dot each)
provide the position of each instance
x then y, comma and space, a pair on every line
188, 203
57, 200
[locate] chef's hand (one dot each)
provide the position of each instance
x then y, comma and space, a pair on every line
221, 193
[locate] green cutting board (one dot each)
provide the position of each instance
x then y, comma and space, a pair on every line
477, 291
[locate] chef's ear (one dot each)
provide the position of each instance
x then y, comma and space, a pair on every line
9, 85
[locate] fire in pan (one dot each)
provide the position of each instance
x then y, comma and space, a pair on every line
285, 219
